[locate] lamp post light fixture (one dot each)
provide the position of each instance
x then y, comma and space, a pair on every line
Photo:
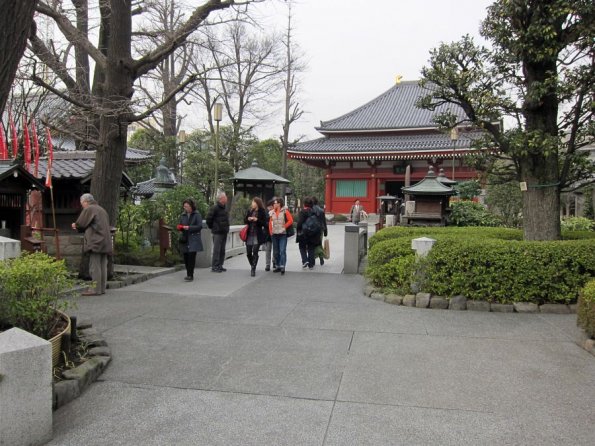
181, 142
217, 116
454, 136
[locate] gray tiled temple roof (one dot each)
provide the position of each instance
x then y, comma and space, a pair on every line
145, 188
255, 173
368, 143
393, 109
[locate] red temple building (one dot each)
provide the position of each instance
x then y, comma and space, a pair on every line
370, 151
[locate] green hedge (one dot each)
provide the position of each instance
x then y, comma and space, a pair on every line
491, 264
586, 308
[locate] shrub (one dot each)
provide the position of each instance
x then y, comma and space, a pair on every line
586, 308
577, 224
491, 264
391, 264
510, 271
30, 290
468, 213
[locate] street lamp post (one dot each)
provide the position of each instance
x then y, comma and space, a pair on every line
217, 116
454, 135
181, 142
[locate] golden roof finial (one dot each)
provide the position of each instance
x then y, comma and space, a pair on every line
398, 78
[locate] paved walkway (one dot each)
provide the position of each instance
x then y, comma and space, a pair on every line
305, 359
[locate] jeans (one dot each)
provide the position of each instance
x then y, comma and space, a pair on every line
307, 251
219, 241
268, 249
280, 249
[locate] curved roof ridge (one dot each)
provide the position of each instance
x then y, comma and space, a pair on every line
394, 109
366, 105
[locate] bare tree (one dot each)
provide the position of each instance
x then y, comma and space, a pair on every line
292, 110
241, 70
110, 103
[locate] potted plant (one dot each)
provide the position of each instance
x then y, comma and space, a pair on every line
31, 287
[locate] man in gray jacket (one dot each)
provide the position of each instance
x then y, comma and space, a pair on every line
218, 223
94, 222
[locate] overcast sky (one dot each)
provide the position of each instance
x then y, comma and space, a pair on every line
355, 48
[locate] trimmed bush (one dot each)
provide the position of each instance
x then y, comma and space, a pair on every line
586, 308
491, 264
469, 213
30, 290
577, 224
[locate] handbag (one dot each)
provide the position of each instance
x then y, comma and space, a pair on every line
327, 249
290, 232
244, 233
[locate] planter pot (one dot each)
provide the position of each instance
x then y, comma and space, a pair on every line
56, 341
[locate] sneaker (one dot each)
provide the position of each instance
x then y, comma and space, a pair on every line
188, 279
321, 261
276, 270
282, 271
222, 270
310, 268
216, 270
305, 265
267, 268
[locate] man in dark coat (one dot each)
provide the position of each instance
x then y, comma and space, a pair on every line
94, 222
319, 252
218, 223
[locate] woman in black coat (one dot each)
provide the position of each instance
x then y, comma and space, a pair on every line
190, 225
256, 219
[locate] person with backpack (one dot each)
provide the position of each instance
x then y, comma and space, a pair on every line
319, 211
309, 229
279, 222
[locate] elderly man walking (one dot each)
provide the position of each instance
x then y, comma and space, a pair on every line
218, 223
94, 222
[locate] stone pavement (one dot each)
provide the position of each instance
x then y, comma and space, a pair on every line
306, 359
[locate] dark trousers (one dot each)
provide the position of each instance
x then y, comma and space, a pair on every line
98, 271
190, 262
307, 251
219, 241
252, 254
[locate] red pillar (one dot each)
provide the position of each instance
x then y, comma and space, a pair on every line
328, 193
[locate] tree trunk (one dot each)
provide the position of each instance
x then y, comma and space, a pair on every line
541, 210
113, 128
15, 22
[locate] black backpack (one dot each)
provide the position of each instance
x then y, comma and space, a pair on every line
312, 227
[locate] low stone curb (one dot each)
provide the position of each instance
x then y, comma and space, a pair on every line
461, 303
76, 380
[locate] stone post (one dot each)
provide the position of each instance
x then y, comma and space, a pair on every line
422, 246
25, 389
351, 249
9, 248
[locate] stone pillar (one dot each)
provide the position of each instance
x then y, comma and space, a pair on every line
25, 389
422, 246
204, 258
9, 248
351, 249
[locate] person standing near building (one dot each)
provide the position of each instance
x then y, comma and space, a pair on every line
190, 225
94, 222
256, 219
280, 220
319, 211
357, 212
218, 223
308, 233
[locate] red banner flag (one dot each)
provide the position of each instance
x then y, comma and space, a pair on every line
3, 145
48, 175
50, 152
15, 136
35, 147
26, 144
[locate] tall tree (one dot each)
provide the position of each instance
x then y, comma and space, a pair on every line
292, 110
15, 22
241, 70
540, 74
116, 71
